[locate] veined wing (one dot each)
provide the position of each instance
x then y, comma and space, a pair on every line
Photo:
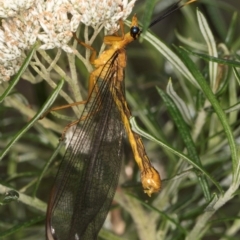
88, 174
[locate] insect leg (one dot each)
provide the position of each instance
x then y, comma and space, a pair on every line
94, 52
91, 84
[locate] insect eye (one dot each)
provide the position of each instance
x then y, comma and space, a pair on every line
135, 32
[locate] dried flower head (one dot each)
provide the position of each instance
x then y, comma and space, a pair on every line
104, 12
52, 22
56, 26
16, 35
11, 8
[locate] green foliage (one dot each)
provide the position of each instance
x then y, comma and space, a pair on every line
191, 122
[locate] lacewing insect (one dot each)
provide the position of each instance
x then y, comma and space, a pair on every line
88, 174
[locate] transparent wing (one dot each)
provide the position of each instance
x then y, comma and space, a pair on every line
88, 174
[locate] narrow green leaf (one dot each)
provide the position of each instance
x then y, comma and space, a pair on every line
215, 16
166, 216
147, 15
18, 75
182, 107
237, 75
214, 59
46, 167
224, 220
164, 50
233, 108
186, 136
48, 103
63, 117
18, 227
232, 30
138, 130
219, 111
193, 44
172, 57
212, 48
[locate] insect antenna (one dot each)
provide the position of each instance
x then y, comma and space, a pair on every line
170, 10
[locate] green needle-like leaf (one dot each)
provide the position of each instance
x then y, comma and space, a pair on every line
19, 74
48, 103
186, 136
219, 111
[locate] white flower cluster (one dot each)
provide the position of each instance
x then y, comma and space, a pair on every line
106, 12
10, 8
51, 22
